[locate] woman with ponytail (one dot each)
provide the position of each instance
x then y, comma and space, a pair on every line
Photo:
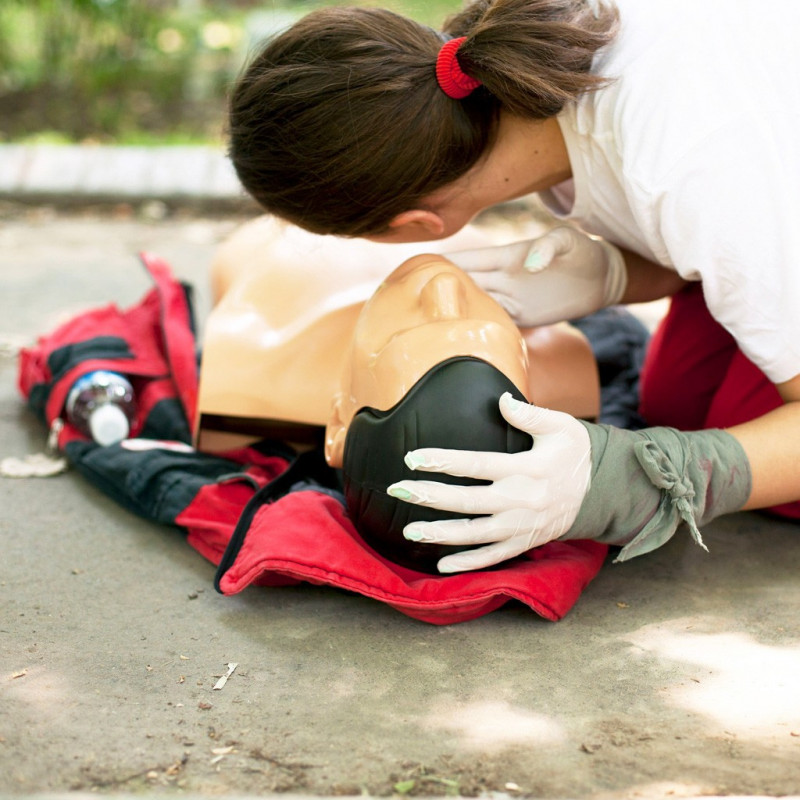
340, 124
662, 136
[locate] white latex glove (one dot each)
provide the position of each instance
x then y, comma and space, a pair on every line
560, 276
534, 496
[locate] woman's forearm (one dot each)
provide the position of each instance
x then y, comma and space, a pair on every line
648, 281
772, 444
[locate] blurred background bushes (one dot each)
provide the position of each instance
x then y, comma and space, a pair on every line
136, 71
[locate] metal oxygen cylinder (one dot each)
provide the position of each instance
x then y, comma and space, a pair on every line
102, 406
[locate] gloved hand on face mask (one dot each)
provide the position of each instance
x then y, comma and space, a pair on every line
578, 481
562, 275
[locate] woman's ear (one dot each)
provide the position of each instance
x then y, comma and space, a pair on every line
335, 432
416, 225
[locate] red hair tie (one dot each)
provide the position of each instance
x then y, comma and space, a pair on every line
452, 80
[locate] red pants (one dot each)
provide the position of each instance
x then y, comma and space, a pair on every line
695, 376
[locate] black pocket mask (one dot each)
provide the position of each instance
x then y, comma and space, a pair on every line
453, 406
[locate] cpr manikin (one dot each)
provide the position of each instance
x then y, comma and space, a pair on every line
285, 305
292, 346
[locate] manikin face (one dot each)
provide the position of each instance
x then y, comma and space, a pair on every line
425, 312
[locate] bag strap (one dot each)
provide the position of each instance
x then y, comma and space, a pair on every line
309, 470
178, 329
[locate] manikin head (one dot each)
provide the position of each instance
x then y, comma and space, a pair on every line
430, 357
425, 312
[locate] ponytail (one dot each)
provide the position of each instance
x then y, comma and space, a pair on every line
339, 124
534, 56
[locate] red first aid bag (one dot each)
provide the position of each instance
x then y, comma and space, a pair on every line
152, 344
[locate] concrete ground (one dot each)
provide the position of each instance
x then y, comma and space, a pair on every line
676, 674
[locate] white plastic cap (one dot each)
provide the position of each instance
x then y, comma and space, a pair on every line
109, 424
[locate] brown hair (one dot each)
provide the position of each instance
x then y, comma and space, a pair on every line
338, 124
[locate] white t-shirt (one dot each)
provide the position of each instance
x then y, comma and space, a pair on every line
691, 157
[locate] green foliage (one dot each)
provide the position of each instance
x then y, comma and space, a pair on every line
426, 783
135, 70
109, 69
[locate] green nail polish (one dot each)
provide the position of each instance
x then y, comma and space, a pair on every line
413, 461
413, 535
399, 492
533, 260
513, 403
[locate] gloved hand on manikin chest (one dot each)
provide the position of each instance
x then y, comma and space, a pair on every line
562, 275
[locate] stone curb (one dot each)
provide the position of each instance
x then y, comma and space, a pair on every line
83, 174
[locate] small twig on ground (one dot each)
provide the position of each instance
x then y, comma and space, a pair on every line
224, 679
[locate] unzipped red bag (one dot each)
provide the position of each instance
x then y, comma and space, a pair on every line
152, 344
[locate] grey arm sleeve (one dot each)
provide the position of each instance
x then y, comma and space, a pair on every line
646, 484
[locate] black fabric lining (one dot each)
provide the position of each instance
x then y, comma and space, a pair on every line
167, 420
154, 484
308, 470
105, 348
